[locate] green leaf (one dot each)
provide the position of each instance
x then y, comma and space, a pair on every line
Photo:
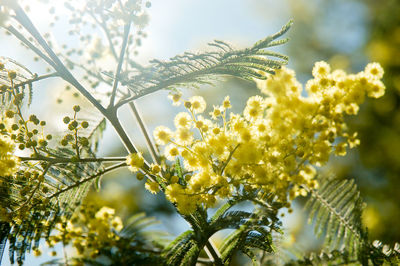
23, 79
59, 193
336, 210
231, 220
191, 69
182, 238
267, 41
95, 133
190, 257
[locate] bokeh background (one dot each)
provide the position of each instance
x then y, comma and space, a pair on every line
346, 33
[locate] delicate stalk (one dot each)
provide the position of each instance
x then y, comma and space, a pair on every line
37, 78
127, 29
69, 160
25, 41
34, 190
154, 154
213, 251
229, 159
77, 184
103, 25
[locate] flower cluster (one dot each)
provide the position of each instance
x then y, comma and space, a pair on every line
8, 162
89, 230
274, 146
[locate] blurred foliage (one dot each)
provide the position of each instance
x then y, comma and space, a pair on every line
380, 122
358, 31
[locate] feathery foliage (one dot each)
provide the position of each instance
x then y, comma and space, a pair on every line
192, 69
95, 133
23, 79
253, 231
57, 193
336, 210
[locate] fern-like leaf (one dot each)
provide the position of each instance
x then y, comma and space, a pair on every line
335, 257
336, 209
95, 132
192, 69
384, 254
42, 202
231, 220
252, 234
23, 79
177, 247
137, 245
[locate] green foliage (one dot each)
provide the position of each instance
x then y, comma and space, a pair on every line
253, 232
191, 69
96, 132
40, 205
336, 210
24, 79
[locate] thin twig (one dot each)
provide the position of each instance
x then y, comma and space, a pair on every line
214, 253
150, 145
103, 25
229, 159
127, 29
31, 46
77, 184
69, 160
37, 78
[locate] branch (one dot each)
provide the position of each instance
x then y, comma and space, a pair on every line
127, 28
69, 160
77, 184
59, 66
67, 76
150, 146
25, 41
213, 252
37, 78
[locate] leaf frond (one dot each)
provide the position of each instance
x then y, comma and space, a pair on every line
191, 69
41, 204
335, 208
22, 82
